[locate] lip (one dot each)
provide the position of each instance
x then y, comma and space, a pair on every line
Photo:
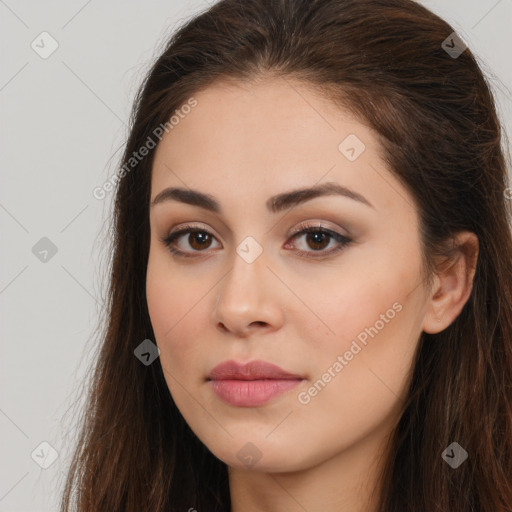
250, 384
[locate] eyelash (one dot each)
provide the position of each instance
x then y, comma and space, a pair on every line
301, 230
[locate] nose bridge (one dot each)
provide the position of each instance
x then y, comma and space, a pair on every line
245, 295
246, 279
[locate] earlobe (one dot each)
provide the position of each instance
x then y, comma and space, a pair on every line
453, 284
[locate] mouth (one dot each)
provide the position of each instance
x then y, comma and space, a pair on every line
251, 393
251, 384
253, 370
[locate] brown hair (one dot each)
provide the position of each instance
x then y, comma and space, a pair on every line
437, 123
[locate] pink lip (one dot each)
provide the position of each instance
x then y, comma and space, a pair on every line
251, 384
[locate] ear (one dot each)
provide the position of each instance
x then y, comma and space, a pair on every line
453, 284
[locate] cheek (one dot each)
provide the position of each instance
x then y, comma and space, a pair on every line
373, 332
366, 362
177, 308
172, 295
361, 374
368, 301
163, 305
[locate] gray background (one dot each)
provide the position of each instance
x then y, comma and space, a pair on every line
63, 123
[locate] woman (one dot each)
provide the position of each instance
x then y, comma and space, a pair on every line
312, 225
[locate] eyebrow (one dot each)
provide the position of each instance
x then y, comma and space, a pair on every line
275, 204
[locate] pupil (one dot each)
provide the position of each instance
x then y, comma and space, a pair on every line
318, 238
199, 237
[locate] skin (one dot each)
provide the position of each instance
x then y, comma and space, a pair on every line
242, 144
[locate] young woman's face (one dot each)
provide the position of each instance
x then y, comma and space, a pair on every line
340, 308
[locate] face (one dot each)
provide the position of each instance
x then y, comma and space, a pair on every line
326, 286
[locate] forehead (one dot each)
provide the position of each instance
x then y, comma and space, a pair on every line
268, 136
243, 120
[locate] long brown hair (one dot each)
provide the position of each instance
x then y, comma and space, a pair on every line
437, 123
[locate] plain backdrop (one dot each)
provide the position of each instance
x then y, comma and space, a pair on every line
63, 122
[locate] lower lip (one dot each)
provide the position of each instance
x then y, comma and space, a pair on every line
251, 393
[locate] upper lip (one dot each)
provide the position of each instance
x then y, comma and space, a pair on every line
253, 370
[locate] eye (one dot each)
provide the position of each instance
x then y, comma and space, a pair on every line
198, 238
316, 237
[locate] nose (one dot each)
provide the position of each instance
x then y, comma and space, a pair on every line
247, 299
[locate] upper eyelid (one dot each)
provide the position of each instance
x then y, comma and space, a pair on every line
315, 225
318, 225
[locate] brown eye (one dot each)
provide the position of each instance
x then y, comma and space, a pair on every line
318, 240
199, 240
